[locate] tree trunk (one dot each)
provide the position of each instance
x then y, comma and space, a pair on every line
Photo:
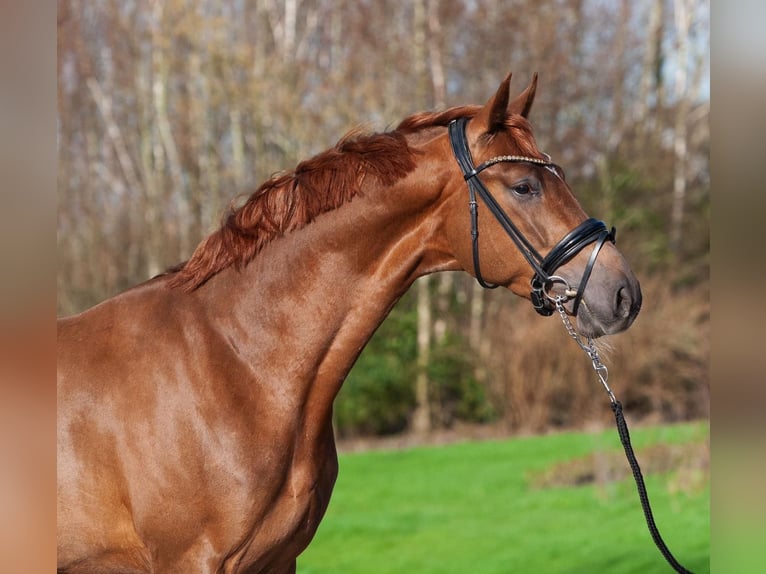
649, 78
421, 418
683, 25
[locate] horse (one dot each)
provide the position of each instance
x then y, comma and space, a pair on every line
195, 409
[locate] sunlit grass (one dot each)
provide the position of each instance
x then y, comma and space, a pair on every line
473, 507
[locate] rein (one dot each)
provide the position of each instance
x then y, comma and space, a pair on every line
589, 231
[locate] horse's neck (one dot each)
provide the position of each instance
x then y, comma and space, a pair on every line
306, 305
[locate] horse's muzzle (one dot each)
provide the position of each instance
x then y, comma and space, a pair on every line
609, 307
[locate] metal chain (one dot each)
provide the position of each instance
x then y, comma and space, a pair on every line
588, 347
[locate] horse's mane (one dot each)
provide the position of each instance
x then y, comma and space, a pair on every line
289, 201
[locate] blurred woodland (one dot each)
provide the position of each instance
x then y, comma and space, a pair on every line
167, 111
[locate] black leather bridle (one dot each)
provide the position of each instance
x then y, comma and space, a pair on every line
589, 231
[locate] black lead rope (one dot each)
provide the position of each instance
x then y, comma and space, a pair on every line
622, 430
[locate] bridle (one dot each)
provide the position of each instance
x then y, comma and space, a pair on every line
546, 302
589, 231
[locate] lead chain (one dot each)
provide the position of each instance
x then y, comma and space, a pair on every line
588, 347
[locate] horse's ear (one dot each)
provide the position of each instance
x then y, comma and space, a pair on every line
523, 102
491, 118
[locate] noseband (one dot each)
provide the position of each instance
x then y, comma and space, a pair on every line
589, 231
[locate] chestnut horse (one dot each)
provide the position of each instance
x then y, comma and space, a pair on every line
195, 410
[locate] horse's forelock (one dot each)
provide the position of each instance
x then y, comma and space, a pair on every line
520, 132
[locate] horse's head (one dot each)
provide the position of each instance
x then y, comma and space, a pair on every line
530, 233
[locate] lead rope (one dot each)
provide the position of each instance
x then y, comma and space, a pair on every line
622, 428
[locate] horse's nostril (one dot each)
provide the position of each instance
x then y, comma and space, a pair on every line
622, 304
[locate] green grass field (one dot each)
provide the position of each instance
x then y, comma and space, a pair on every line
477, 507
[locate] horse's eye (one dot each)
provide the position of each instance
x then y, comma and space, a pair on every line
522, 188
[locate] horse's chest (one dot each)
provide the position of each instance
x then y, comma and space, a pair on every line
293, 516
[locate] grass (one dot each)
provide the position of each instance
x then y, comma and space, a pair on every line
475, 507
